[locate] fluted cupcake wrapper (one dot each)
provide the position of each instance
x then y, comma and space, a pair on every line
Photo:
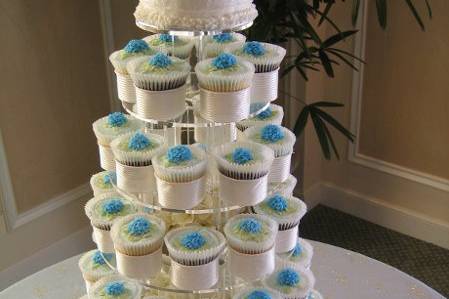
265, 63
92, 275
281, 148
239, 80
181, 51
197, 257
286, 221
106, 135
213, 48
260, 167
120, 64
158, 81
181, 174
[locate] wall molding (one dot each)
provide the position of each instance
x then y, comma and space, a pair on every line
73, 244
354, 154
375, 210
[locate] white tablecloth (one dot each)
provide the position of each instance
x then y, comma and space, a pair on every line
341, 274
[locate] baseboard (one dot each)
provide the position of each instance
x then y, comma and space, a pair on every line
74, 244
387, 215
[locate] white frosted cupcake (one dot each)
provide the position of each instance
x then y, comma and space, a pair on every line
256, 293
119, 59
138, 245
194, 251
102, 182
133, 153
115, 287
178, 46
102, 210
287, 212
93, 266
285, 188
291, 282
243, 172
180, 173
265, 57
224, 42
281, 140
273, 114
224, 73
109, 127
251, 240
301, 255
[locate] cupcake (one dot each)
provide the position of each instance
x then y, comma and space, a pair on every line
102, 182
281, 140
119, 59
93, 266
314, 294
224, 42
160, 85
180, 173
291, 282
115, 286
224, 88
178, 46
243, 171
285, 188
138, 245
256, 293
287, 212
266, 59
273, 114
133, 153
251, 240
102, 210
194, 251
108, 128
301, 255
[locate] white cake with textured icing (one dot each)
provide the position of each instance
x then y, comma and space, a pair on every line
206, 15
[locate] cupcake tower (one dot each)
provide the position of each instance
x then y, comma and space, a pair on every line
206, 211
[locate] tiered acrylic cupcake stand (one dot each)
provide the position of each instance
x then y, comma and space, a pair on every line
188, 128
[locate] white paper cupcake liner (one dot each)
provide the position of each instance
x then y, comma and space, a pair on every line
263, 158
212, 48
190, 172
251, 247
217, 82
143, 246
254, 121
92, 275
225, 107
307, 282
181, 51
286, 221
285, 188
136, 158
158, 81
99, 176
265, 63
197, 257
281, 148
106, 135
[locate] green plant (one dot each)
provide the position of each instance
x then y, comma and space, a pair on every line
281, 21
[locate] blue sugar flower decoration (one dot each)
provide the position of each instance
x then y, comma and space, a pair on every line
160, 60
136, 46
109, 178
139, 142
288, 277
98, 259
297, 250
224, 61
250, 225
265, 114
223, 37
139, 226
278, 203
193, 241
178, 154
167, 38
254, 48
117, 119
115, 288
113, 206
272, 133
258, 294
242, 155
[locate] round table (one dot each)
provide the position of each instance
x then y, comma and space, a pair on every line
340, 273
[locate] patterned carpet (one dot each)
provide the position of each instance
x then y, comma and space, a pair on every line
426, 262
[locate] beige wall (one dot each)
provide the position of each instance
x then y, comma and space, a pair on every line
401, 91
53, 86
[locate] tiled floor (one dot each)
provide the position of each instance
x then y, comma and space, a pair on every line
426, 262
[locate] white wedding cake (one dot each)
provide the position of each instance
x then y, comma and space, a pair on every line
204, 15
